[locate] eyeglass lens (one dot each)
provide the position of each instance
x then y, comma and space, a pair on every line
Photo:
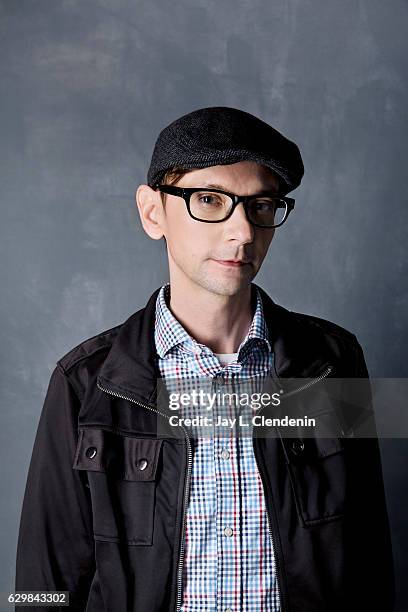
210, 206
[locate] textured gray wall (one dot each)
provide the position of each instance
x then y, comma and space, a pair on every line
85, 87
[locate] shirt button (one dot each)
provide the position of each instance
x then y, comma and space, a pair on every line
228, 531
225, 454
228, 609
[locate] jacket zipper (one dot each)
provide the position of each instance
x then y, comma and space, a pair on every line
278, 588
186, 489
325, 373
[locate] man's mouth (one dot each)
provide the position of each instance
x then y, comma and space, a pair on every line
235, 263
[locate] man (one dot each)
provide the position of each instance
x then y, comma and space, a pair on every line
126, 514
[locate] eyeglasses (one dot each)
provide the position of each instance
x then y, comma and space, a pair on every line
214, 206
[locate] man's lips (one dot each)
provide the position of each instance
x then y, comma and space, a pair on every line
234, 263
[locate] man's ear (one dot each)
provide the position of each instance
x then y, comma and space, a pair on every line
151, 211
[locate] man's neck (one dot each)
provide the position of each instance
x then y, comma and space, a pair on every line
219, 322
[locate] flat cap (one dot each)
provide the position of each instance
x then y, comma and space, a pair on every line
220, 135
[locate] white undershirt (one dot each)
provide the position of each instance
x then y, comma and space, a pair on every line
225, 358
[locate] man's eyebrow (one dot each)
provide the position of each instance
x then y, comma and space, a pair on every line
214, 186
222, 187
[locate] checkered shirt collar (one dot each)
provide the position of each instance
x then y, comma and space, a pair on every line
169, 332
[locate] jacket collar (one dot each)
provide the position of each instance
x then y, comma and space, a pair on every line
130, 367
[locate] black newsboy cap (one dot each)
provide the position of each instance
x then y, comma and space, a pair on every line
222, 135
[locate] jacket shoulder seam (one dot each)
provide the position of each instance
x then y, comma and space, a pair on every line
72, 360
70, 381
68, 369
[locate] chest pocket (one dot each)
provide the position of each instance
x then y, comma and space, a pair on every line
122, 473
317, 471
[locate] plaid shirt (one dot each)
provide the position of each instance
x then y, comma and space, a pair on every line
229, 562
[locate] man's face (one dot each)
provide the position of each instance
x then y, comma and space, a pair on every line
198, 251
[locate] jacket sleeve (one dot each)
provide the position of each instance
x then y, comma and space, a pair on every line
55, 549
368, 538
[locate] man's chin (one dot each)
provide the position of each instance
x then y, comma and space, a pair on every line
222, 285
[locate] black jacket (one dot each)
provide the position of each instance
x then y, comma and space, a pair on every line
96, 525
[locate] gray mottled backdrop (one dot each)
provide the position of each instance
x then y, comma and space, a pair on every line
85, 87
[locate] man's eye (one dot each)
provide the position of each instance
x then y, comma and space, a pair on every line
209, 199
264, 205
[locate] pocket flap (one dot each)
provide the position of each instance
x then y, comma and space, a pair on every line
124, 457
323, 440
324, 447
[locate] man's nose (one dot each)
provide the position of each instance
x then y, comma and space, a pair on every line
238, 226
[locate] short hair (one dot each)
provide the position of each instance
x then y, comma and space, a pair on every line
172, 177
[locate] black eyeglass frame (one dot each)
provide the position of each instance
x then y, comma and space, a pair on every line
186, 192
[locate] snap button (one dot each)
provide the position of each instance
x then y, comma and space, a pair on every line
91, 452
142, 464
297, 447
228, 531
